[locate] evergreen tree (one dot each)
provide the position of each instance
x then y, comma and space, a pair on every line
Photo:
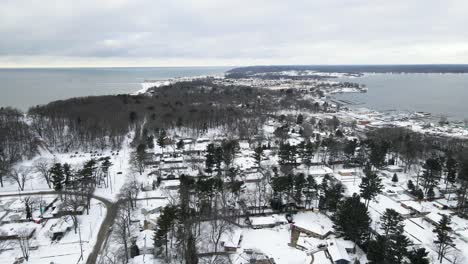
67, 172
258, 154
397, 247
180, 144
350, 149
307, 154
299, 119
419, 194
138, 158
392, 246
228, 151
371, 186
444, 239
451, 167
391, 222
150, 141
376, 250
463, 181
352, 219
333, 195
299, 184
287, 154
411, 185
210, 158
57, 176
430, 193
431, 173
165, 225
418, 256
162, 138
378, 152
395, 178
191, 252
218, 158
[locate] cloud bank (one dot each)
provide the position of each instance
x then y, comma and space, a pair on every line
214, 32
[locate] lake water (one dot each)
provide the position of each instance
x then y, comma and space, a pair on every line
438, 94
22, 88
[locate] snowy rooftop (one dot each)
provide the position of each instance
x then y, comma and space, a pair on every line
315, 222
337, 252
266, 220
231, 239
320, 171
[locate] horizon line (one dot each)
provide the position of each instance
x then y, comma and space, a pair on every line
224, 66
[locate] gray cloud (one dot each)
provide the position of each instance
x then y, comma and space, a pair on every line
202, 32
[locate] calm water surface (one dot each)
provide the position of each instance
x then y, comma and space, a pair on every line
23, 88
438, 94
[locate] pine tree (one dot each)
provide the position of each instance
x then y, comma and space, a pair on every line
165, 224
397, 248
210, 158
57, 176
258, 154
218, 158
138, 158
67, 172
418, 256
411, 185
371, 186
463, 189
431, 174
391, 222
376, 250
352, 219
395, 178
444, 236
430, 193
300, 119
162, 138
180, 144
333, 195
191, 252
299, 184
392, 246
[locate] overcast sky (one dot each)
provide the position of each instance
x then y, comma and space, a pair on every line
224, 32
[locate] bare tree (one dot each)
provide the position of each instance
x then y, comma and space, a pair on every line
23, 242
21, 176
122, 231
42, 167
219, 227
28, 206
71, 205
4, 244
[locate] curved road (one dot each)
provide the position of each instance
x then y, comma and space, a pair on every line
111, 213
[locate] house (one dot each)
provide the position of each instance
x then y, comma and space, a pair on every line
266, 221
255, 257
13, 231
320, 171
170, 184
60, 227
394, 168
338, 253
311, 224
231, 241
252, 176
347, 172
